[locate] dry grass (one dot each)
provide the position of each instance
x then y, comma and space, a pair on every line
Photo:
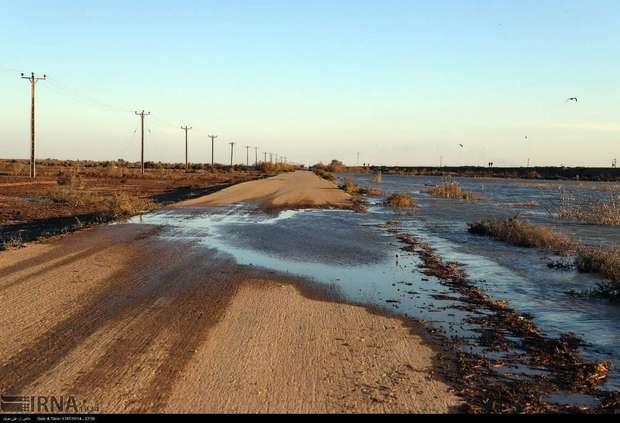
591, 210
350, 187
451, 189
124, 204
523, 234
373, 192
603, 261
400, 202
116, 205
324, 174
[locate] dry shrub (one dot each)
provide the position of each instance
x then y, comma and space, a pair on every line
73, 197
591, 210
523, 234
325, 175
73, 181
452, 190
114, 171
350, 187
20, 169
123, 204
373, 192
116, 205
377, 178
336, 166
399, 202
603, 261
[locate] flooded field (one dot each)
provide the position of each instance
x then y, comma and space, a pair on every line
365, 264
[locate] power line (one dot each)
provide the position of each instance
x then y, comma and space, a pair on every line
33, 82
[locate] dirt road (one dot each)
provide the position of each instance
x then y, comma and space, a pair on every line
128, 321
288, 190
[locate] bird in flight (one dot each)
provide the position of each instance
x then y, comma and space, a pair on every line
572, 99
461, 145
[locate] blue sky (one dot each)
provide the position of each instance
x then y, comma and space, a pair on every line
402, 82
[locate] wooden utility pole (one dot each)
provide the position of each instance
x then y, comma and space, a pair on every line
142, 114
255, 156
247, 155
265, 154
232, 147
213, 137
33, 82
270, 157
186, 128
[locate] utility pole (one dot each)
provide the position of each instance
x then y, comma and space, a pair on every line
265, 160
232, 146
213, 137
186, 128
270, 157
255, 156
247, 155
142, 114
358, 159
33, 82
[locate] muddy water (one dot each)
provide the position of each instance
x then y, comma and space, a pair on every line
364, 263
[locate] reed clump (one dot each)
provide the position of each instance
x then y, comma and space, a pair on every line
350, 187
591, 210
373, 192
451, 189
521, 233
377, 178
400, 202
604, 261
587, 259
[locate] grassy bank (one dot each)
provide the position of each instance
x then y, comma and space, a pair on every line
598, 260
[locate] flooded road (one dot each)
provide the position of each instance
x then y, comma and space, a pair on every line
348, 253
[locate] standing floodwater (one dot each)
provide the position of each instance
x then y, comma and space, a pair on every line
347, 252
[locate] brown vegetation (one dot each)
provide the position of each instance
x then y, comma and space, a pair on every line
481, 379
373, 192
588, 259
451, 189
68, 195
591, 210
400, 202
523, 234
350, 187
324, 174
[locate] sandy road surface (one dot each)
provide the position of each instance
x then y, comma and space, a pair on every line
127, 321
287, 190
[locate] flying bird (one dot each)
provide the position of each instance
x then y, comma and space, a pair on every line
572, 99
461, 145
